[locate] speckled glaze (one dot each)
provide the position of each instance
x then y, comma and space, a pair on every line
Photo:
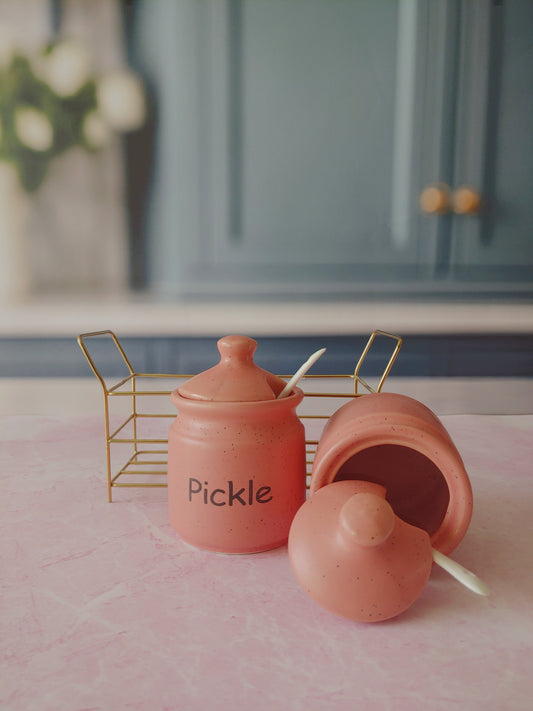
236, 467
354, 556
396, 441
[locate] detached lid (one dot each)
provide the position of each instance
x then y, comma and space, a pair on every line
236, 378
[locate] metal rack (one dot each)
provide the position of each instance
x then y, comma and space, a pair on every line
138, 412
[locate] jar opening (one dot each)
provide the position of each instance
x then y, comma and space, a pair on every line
416, 488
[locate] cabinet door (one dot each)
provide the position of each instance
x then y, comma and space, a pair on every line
492, 250
294, 137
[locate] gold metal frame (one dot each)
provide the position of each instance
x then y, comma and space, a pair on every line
356, 376
146, 456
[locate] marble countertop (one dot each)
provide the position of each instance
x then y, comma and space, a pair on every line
104, 607
132, 315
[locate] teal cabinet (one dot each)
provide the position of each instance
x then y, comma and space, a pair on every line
296, 136
494, 145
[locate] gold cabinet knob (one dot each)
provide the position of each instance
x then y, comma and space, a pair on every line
435, 199
466, 200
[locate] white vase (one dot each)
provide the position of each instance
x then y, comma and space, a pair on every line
15, 275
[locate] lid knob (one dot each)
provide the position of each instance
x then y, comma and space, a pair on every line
239, 349
367, 519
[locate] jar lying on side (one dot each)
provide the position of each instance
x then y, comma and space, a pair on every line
399, 443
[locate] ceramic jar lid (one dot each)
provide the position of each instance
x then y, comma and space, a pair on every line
354, 556
236, 378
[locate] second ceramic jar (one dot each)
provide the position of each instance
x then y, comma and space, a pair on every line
399, 443
236, 455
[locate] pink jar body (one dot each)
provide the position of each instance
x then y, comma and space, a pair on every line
399, 443
236, 472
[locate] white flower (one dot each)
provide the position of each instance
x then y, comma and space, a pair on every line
33, 128
7, 46
95, 130
121, 102
66, 68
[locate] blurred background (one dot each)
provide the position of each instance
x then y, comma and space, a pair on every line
376, 157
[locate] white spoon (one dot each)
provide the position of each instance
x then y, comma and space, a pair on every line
464, 576
302, 370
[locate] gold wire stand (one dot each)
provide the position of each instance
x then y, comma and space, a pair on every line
139, 436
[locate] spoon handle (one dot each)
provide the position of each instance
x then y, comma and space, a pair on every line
302, 370
464, 576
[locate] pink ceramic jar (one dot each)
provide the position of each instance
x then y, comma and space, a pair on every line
236, 455
396, 441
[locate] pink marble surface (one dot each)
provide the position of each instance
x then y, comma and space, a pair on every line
103, 607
